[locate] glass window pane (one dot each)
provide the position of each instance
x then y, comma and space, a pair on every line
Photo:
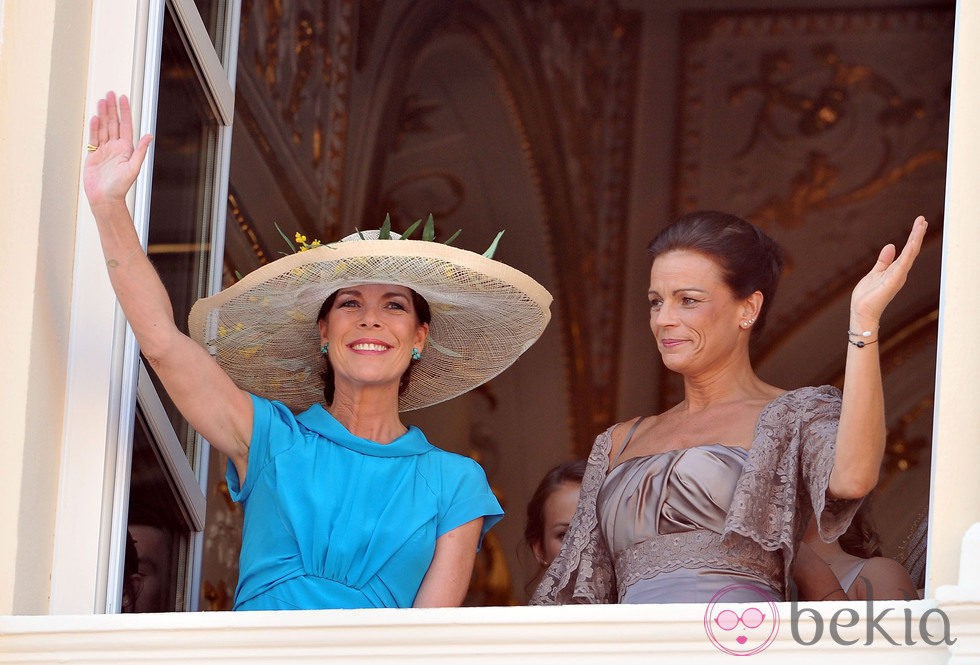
157, 533
183, 190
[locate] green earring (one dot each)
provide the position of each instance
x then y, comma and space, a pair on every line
416, 354
325, 348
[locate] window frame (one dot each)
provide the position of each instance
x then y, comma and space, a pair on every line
91, 534
96, 405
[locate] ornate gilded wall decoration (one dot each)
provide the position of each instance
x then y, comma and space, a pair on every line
568, 73
785, 114
791, 109
586, 56
294, 87
222, 541
423, 191
828, 128
491, 582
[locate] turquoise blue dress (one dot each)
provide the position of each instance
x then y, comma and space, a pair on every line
336, 521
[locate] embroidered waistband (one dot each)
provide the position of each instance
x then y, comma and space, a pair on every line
697, 549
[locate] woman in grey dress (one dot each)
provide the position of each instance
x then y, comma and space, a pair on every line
713, 494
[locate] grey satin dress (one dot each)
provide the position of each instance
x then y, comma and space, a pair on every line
683, 525
663, 516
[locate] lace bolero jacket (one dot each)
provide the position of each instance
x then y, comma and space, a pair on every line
785, 477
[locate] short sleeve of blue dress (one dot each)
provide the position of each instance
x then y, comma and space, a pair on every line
336, 521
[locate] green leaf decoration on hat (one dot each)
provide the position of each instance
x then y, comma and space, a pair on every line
429, 233
411, 229
289, 243
493, 246
384, 233
429, 230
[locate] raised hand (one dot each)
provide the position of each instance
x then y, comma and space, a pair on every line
876, 289
111, 169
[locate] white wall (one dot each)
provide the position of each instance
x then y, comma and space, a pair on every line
42, 79
955, 501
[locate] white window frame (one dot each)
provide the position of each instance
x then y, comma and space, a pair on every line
104, 368
99, 347
954, 502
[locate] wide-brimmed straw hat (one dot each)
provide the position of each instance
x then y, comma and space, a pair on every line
263, 330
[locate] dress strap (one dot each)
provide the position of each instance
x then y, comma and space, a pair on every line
629, 437
849, 577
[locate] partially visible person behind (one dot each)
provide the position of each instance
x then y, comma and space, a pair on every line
155, 553
132, 585
851, 567
551, 508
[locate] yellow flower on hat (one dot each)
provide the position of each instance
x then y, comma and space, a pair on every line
303, 245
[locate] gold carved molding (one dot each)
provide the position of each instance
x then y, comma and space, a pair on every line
826, 127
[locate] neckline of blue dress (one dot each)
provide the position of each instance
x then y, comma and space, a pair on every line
319, 420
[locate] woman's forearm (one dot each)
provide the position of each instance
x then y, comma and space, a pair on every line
137, 285
861, 432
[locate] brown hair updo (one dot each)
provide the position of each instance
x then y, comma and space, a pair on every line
749, 259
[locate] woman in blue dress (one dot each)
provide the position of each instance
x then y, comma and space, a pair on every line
298, 373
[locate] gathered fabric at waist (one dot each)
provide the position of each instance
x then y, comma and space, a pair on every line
312, 591
699, 549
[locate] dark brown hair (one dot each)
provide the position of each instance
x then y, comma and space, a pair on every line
749, 259
861, 538
422, 315
566, 472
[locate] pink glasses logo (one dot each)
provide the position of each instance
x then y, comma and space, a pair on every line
739, 630
751, 618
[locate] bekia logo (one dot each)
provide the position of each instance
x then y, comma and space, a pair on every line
741, 620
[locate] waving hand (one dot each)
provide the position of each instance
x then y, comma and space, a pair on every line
111, 169
876, 289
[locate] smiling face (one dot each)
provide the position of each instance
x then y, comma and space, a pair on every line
558, 510
694, 316
371, 330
